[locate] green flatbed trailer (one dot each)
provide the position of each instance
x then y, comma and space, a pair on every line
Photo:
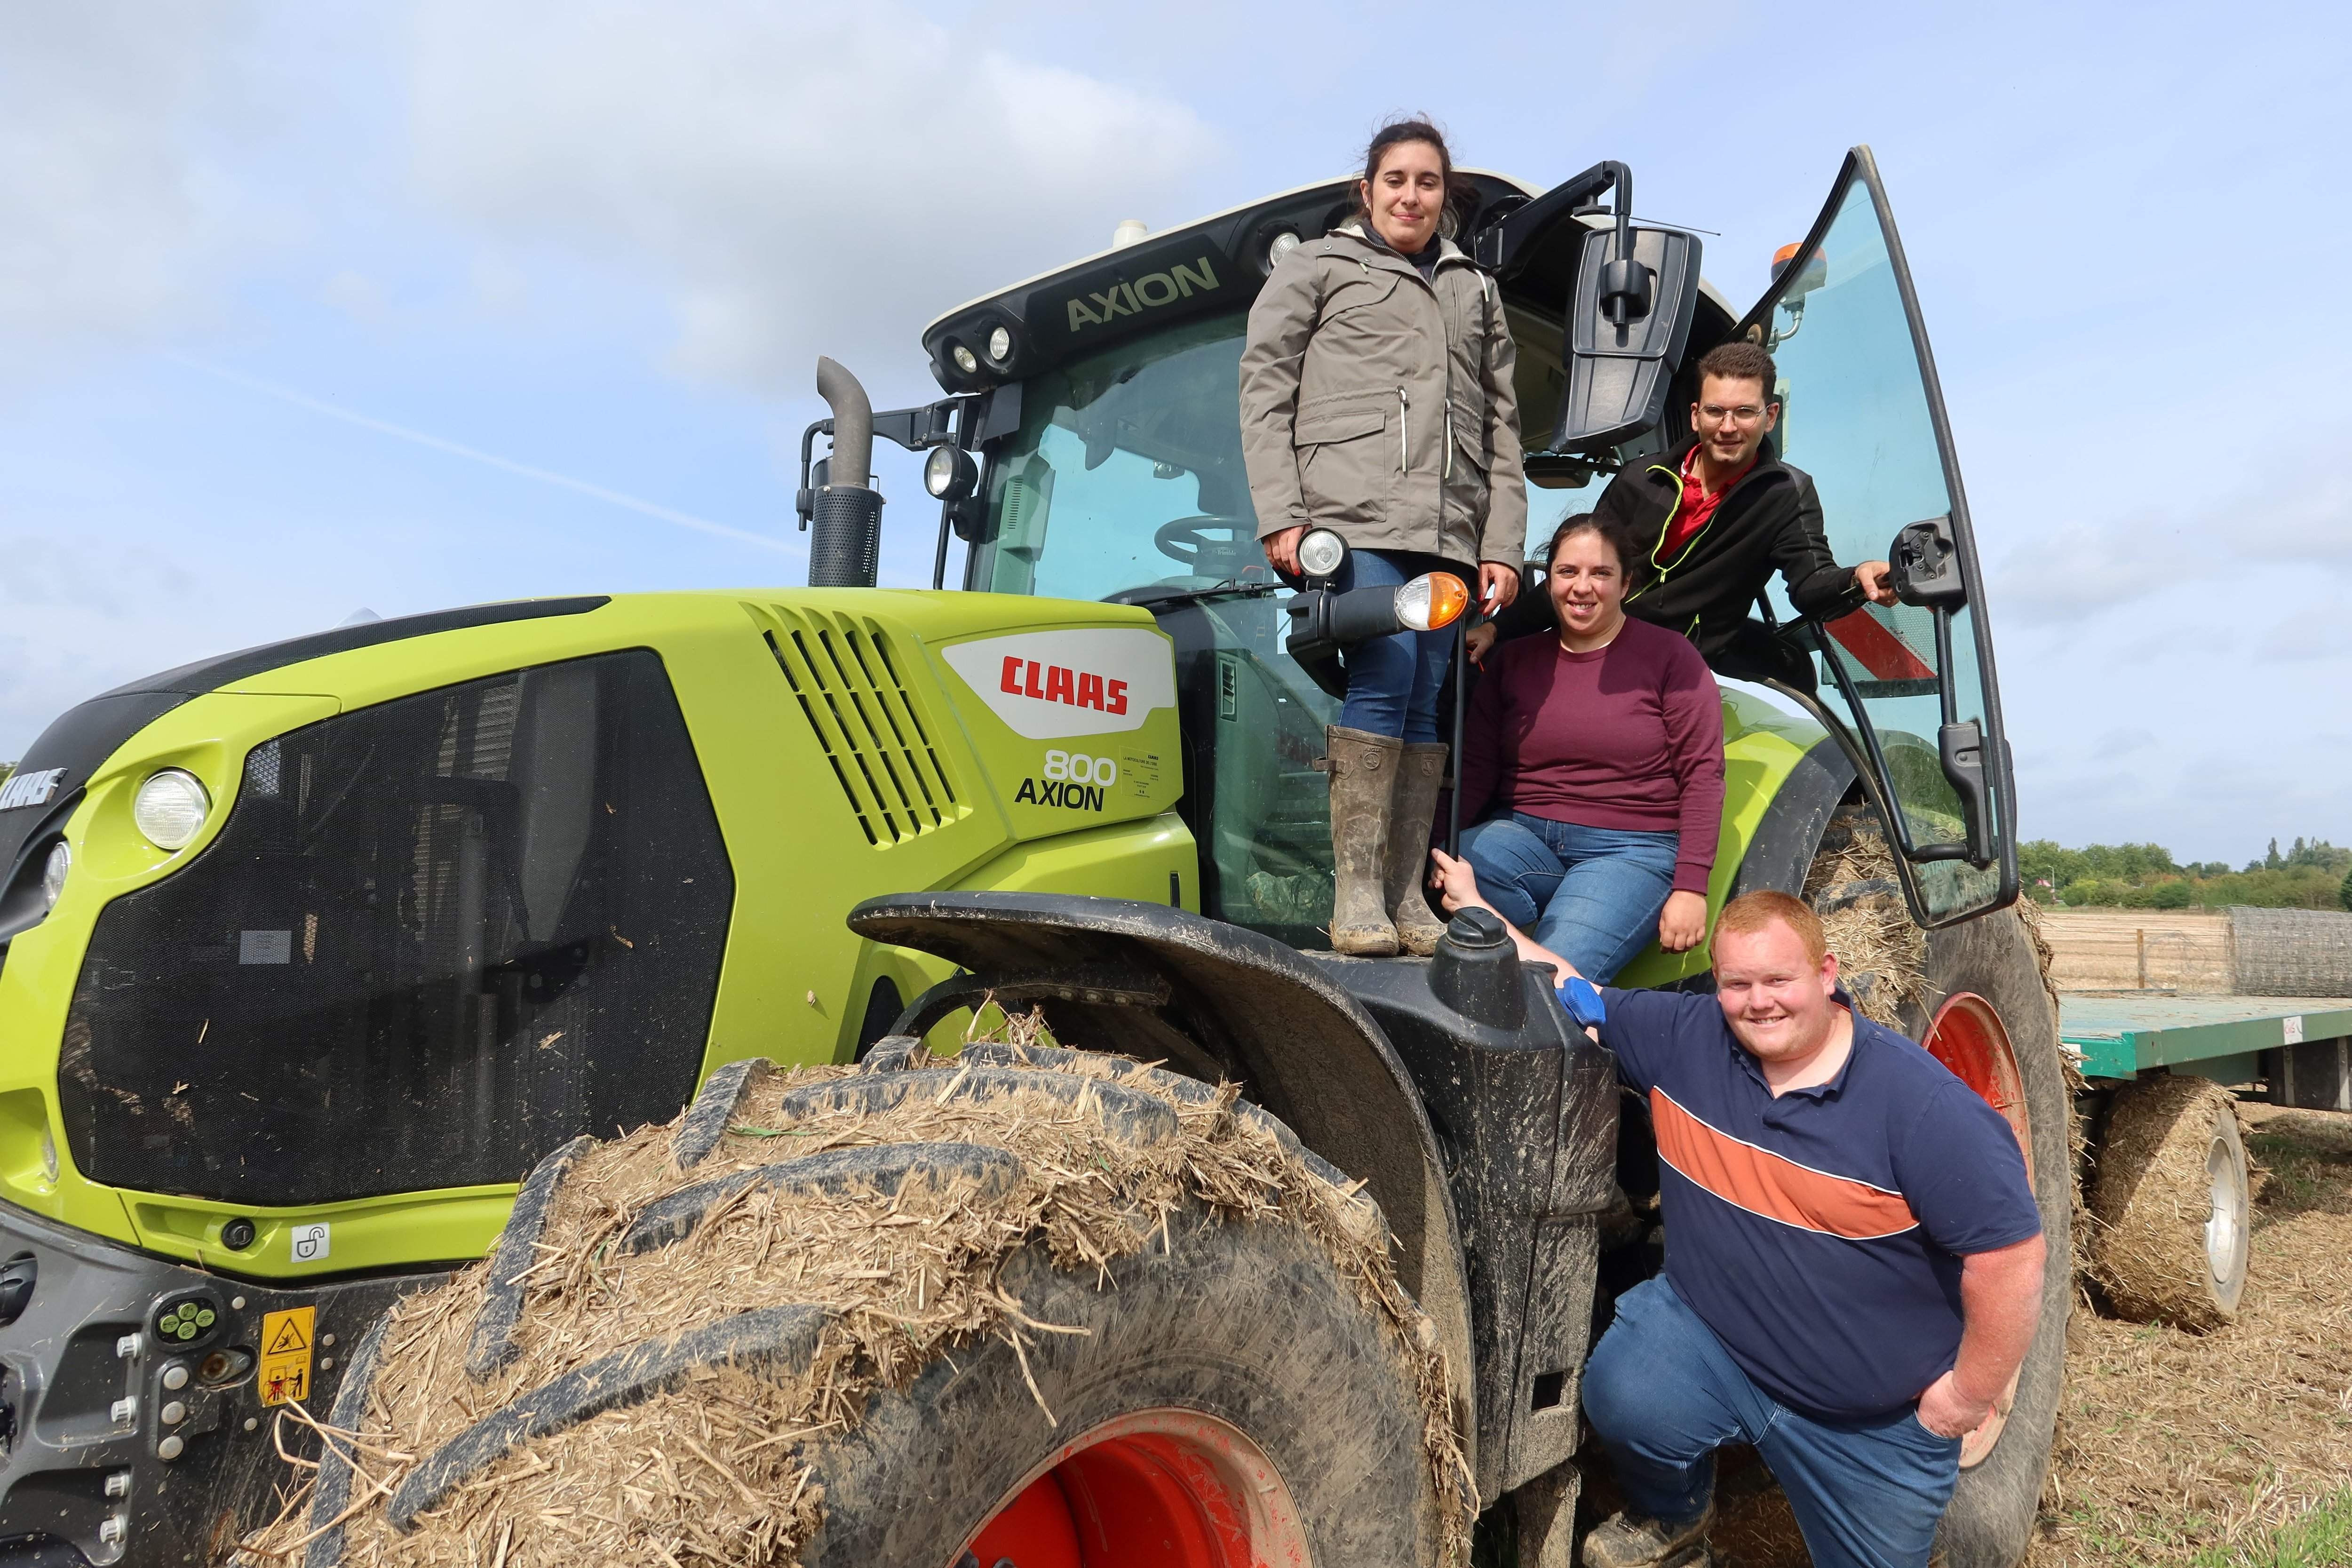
2296, 1045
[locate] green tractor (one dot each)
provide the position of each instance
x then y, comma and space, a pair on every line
316, 954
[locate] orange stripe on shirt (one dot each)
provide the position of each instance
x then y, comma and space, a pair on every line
1767, 1183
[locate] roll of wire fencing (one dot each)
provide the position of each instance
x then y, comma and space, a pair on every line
2291, 953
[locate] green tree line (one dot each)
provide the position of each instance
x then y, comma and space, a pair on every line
2309, 875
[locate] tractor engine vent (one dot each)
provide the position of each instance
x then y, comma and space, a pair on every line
866, 720
436, 939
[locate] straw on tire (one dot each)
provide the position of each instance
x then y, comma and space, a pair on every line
649, 1412
1882, 956
2152, 1199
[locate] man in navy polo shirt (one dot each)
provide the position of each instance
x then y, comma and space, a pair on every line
1853, 1260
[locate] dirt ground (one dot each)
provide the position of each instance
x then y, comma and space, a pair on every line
2176, 1447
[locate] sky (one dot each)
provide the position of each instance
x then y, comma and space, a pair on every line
399, 304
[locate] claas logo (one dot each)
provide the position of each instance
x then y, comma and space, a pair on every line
1060, 683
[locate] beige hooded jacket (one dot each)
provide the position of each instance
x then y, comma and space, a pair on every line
1380, 406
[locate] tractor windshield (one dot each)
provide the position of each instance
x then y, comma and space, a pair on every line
1127, 473
1127, 470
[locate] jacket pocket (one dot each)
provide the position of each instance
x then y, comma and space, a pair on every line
1347, 469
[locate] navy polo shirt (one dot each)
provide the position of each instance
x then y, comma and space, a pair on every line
1819, 1234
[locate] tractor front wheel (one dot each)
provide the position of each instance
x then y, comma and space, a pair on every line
1221, 1403
1035, 1304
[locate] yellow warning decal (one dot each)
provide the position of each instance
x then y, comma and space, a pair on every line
286, 1355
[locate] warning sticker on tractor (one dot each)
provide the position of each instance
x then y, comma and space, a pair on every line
286, 1355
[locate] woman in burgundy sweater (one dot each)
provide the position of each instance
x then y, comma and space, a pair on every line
1595, 760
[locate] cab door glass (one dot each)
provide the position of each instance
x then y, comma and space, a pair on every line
1861, 414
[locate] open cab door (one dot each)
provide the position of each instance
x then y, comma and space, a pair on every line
1908, 689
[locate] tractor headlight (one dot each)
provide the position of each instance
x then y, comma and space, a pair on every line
1282, 245
949, 473
1432, 601
53, 874
999, 345
966, 361
170, 809
1320, 552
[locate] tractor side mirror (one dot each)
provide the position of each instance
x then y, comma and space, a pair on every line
1923, 566
1630, 294
1626, 329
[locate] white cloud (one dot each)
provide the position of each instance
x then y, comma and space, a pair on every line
803, 179
108, 213
2260, 531
357, 295
77, 616
2308, 635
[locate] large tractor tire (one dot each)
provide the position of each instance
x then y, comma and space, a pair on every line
2171, 1204
1979, 999
1033, 1304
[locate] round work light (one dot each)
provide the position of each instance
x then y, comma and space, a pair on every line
949, 473
170, 809
1320, 552
53, 874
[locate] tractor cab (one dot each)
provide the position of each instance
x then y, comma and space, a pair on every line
1100, 403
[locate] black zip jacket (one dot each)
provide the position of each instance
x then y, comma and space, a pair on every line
1769, 520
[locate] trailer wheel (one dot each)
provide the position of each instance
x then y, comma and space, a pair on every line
1994, 1022
1038, 1304
2171, 1199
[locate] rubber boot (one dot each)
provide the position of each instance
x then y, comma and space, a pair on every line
1364, 770
1420, 774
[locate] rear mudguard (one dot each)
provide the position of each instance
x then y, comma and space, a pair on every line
1492, 1207
1781, 849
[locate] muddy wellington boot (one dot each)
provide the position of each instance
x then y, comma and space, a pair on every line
1420, 772
1363, 774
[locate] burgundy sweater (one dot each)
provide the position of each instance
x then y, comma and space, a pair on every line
1627, 737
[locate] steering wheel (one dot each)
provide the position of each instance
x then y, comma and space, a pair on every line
1186, 541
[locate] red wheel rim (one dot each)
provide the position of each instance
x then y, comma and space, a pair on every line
1157, 1488
1967, 1036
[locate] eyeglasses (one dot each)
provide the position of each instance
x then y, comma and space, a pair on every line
1715, 414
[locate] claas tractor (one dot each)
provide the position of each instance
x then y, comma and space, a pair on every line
337, 967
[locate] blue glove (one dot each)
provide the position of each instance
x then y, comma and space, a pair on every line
1584, 1001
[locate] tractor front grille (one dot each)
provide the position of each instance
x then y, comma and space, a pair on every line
436, 938
865, 718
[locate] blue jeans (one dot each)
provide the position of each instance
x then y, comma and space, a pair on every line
1664, 1394
1393, 683
1590, 894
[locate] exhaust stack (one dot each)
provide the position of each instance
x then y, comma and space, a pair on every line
846, 516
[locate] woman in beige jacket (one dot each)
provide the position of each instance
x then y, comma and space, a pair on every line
1377, 402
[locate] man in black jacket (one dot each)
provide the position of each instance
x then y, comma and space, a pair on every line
1717, 516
